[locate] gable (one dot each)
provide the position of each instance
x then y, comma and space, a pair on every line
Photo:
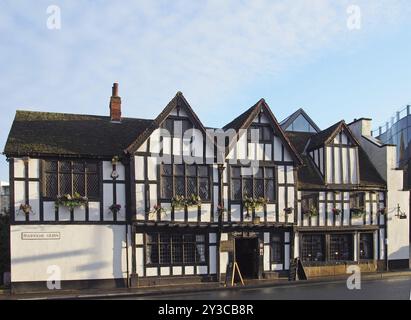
261, 117
178, 107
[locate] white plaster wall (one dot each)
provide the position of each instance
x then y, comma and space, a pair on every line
82, 252
384, 159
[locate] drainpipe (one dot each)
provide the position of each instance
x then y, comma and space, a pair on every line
220, 217
128, 270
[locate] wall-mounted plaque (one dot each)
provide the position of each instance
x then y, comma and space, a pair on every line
40, 236
227, 246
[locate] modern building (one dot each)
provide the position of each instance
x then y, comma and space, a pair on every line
397, 132
4, 198
111, 201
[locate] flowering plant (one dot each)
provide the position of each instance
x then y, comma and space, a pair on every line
336, 211
254, 203
382, 211
71, 201
157, 209
311, 212
289, 210
114, 208
357, 212
180, 202
26, 208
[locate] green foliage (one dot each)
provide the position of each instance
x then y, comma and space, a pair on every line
71, 201
180, 202
254, 203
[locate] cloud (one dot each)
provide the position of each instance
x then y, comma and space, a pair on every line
210, 50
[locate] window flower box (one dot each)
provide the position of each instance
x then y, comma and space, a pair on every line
71, 201
357, 212
312, 212
254, 203
180, 202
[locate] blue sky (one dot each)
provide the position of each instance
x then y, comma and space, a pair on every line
223, 55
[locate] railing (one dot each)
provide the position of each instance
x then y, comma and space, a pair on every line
406, 111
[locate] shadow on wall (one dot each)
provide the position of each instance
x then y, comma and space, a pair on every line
399, 260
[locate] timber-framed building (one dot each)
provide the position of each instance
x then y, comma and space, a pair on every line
110, 201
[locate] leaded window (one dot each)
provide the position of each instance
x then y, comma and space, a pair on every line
366, 246
176, 249
313, 248
357, 200
264, 133
70, 177
245, 183
309, 201
341, 247
185, 180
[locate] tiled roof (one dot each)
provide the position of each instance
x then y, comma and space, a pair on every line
43, 133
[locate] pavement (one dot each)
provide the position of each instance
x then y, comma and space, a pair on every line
159, 291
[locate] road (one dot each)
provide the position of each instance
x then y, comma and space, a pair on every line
383, 289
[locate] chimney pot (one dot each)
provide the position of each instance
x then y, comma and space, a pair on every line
115, 104
115, 89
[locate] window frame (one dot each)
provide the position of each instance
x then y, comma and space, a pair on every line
314, 199
85, 173
356, 198
186, 176
241, 178
183, 243
323, 242
372, 246
330, 248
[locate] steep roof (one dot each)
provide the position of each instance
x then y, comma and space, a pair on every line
44, 133
244, 120
309, 177
328, 134
178, 101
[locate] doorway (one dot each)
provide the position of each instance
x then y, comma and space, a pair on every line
246, 254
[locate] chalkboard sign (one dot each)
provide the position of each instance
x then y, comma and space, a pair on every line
296, 271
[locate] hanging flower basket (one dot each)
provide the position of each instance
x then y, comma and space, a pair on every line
115, 208
221, 210
254, 203
157, 209
71, 201
382, 211
312, 212
289, 210
336, 211
257, 220
26, 209
115, 160
357, 212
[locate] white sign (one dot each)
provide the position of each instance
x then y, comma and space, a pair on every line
40, 236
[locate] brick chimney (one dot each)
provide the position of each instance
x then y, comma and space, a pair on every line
115, 104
